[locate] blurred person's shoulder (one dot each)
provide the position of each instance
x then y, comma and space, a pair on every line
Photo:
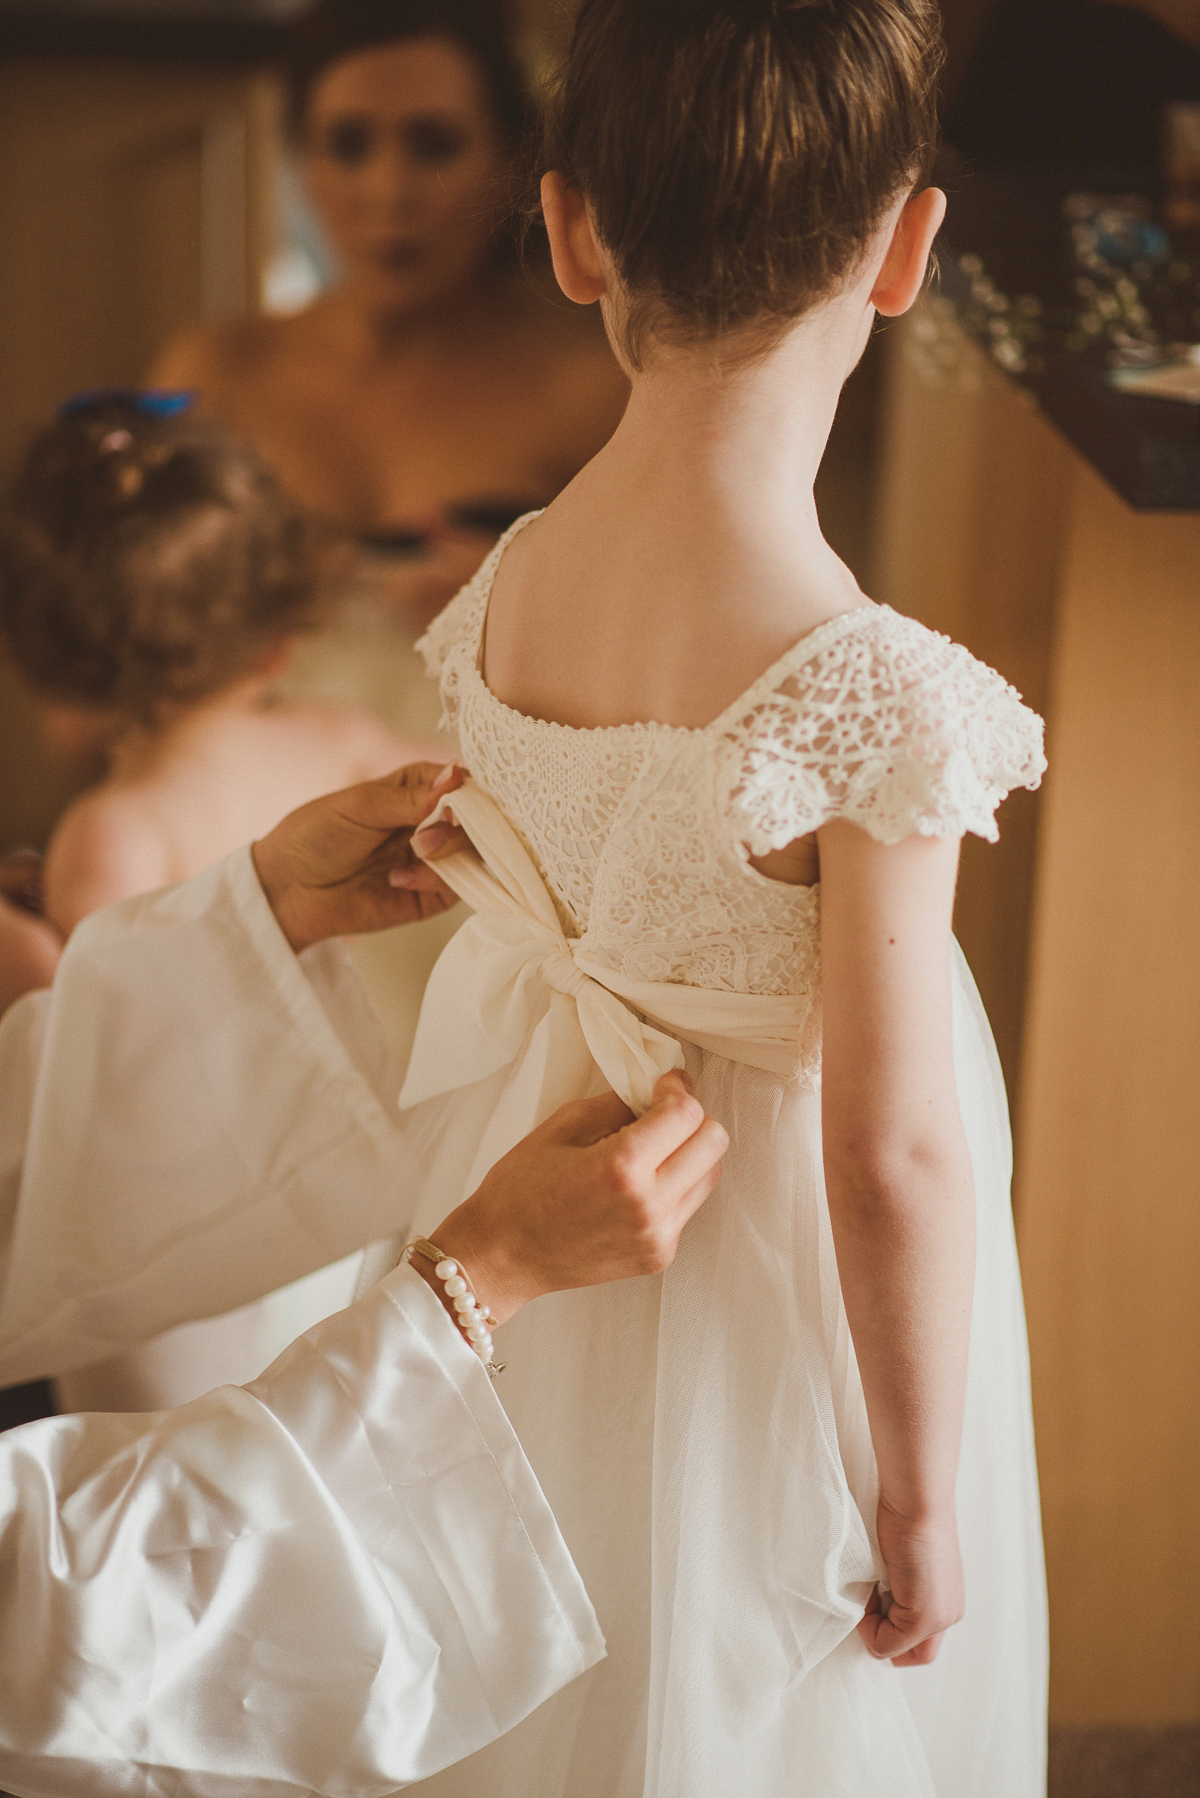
350, 745
108, 845
218, 356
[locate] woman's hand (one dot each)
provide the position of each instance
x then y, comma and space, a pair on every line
588, 1197
925, 1581
29, 946
344, 865
29, 952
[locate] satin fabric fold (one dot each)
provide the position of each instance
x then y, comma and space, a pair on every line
547, 1011
332, 1582
193, 1116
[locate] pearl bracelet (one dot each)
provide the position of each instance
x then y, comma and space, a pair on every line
475, 1323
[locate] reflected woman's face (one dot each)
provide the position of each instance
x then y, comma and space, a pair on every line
403, 164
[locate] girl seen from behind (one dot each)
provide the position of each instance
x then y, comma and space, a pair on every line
717, 801
153, 577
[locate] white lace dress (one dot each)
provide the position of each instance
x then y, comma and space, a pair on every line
702, 1437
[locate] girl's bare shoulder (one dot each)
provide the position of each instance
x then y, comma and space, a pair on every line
107, 846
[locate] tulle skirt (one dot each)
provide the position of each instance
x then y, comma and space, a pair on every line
702, 1440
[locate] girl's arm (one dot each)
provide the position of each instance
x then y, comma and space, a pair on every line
901, 1201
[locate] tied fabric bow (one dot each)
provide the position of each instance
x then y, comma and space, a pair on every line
513, 990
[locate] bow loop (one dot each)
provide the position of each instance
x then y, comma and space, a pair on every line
511, 990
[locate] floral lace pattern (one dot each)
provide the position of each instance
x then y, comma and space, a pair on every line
889, 726
643, 832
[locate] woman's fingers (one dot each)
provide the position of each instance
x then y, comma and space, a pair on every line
402, 800
672, 1119
437, 840
886, 1643
689, 1175
588, 1121
415, 877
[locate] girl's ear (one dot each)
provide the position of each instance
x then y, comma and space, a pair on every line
574, 247
902, 275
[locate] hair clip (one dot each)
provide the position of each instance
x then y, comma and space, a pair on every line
151, 402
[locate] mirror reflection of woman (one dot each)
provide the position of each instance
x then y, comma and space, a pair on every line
436, 391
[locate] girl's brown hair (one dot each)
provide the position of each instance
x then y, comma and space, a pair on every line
738, 156
147, 561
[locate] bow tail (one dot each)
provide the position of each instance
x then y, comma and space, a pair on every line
555, 1066
631, 1055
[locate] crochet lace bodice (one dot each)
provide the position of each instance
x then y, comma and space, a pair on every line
644, 832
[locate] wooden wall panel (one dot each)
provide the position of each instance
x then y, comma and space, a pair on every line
1083, 927
134, 198
972, 510
1108, 1154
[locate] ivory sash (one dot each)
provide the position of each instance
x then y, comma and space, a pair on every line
513, 990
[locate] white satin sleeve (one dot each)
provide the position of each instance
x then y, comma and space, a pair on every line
337, 1580
191, 1117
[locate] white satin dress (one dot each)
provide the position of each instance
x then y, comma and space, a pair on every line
331, 1582
702, 1437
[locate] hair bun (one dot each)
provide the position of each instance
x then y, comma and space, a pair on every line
739, 156
704, 12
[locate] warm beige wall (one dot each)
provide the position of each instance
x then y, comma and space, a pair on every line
1081, 927
134, 198
1108, 1171
970, 521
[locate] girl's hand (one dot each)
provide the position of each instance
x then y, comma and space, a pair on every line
925, 1577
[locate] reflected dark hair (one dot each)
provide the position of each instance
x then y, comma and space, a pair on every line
482, 29
148, 561
739, 155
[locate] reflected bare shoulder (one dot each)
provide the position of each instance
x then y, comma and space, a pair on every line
219, 354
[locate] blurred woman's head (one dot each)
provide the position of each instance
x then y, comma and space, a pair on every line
410, 115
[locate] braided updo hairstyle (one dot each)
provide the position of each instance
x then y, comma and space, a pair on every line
739, 156
147, 561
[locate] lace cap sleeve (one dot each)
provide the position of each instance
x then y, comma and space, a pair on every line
886, 724
456, 623
455, 633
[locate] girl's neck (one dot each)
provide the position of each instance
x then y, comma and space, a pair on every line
737, 446
688, 556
